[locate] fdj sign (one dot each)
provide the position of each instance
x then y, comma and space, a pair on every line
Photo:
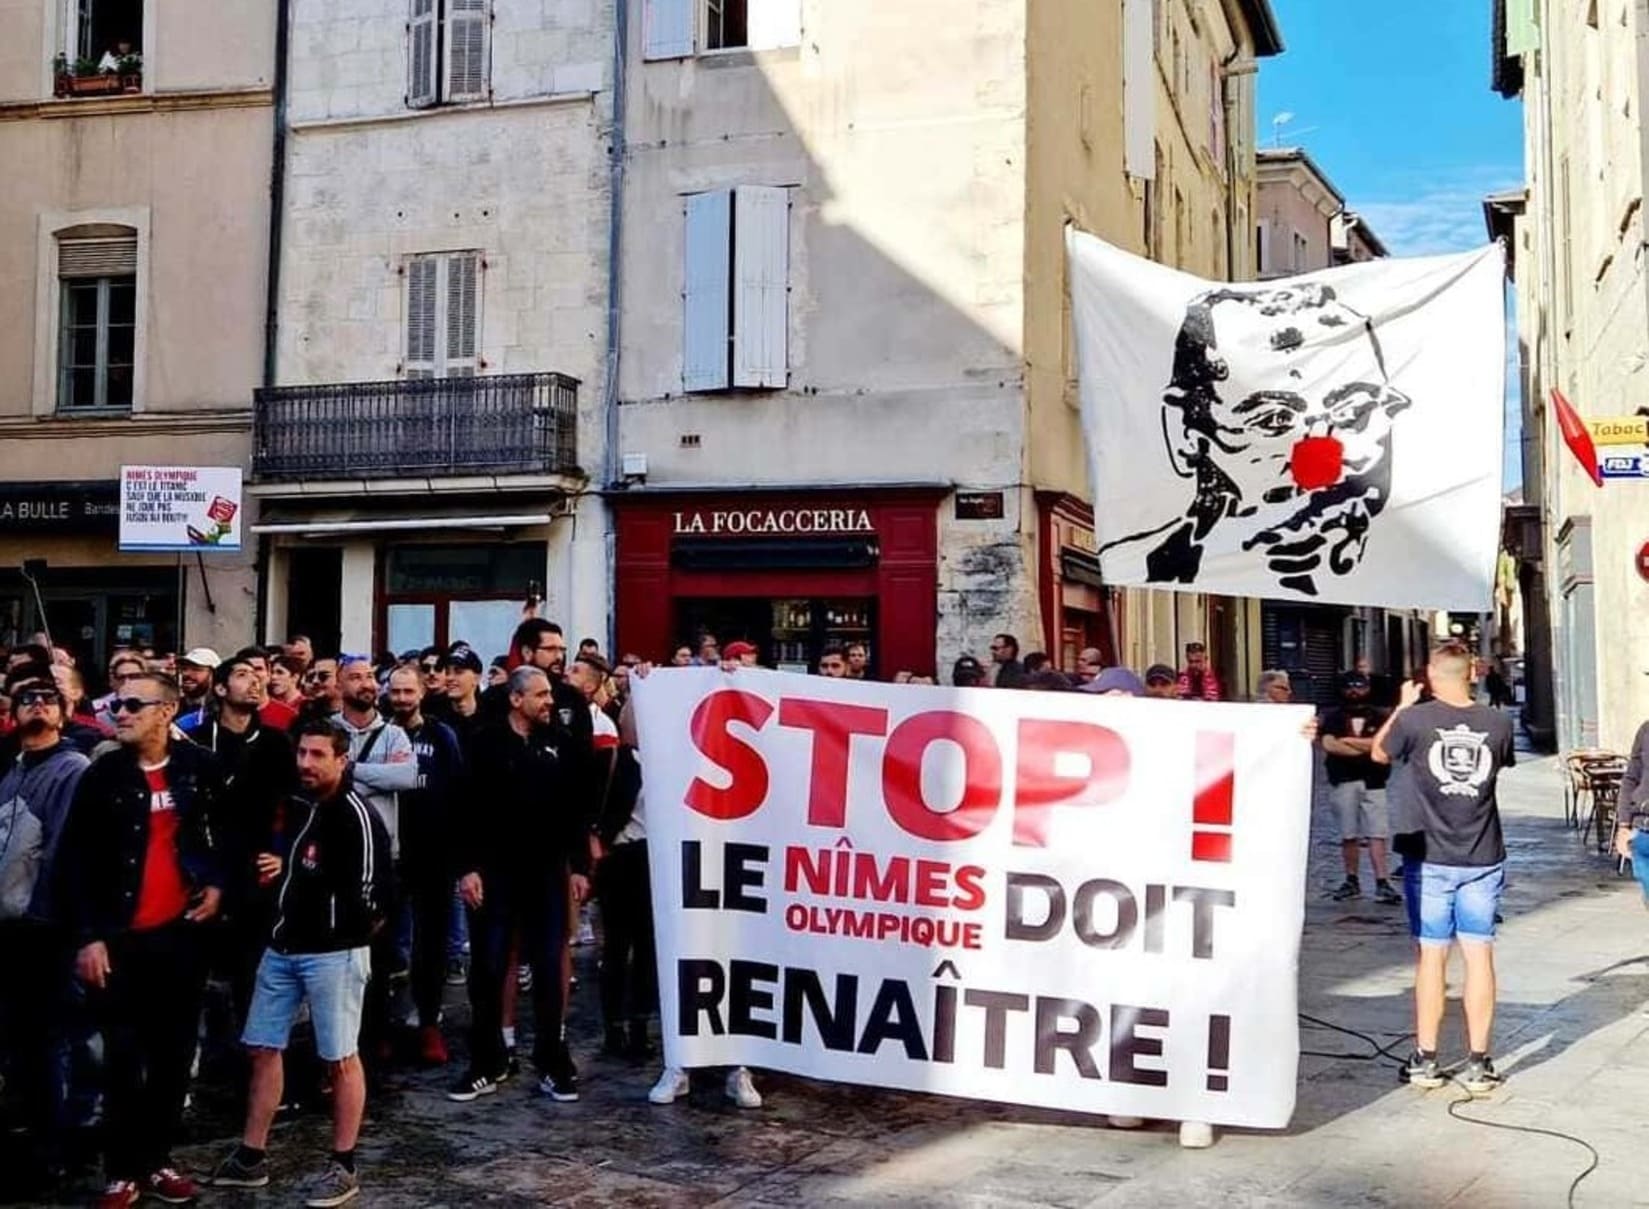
1625, 466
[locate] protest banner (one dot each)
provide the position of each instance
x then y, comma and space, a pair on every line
180, 508
1056, 899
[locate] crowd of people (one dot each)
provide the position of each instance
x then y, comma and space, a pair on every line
356, 834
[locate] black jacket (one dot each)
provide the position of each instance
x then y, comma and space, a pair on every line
622, 794
525, 815
570, 718
100, 861
334, 883
258, 772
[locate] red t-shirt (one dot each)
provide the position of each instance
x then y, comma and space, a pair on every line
278, 714
163, 894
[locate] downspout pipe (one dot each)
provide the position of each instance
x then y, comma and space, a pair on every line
1233, 66
272, 273
616, 152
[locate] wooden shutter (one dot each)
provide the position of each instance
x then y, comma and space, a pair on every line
774, 23
104, 256
463, 287
1139, 88
421, 56
667, 28
422, 273
705, 298
761, 285
466, 50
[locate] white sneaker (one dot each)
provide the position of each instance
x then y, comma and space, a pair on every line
672, 1085
1195, 1135
1125, 1122
741, 1090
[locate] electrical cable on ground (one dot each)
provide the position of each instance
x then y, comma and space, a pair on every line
1379, 1051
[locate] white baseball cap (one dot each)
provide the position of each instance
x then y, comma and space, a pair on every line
201, 656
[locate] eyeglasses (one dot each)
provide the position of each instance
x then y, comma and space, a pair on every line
36, 697
430, 667
131, 705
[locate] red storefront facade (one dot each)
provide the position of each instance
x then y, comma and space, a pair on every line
788, 570
1077, 610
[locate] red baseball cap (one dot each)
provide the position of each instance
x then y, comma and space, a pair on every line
738, 650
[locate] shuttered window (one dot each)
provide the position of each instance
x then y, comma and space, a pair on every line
448, 51
443, 315
735, 317
97, 319
466, 46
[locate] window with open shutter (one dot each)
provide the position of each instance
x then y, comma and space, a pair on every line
422, 62
667, 28
761, 285
466, 50
706, 294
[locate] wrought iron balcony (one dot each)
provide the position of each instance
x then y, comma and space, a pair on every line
432, 427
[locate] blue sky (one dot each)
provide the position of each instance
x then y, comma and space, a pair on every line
1392, 99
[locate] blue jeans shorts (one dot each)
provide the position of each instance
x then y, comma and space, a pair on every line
1452, 902
335, 985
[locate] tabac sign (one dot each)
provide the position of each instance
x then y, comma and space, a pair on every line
772, 522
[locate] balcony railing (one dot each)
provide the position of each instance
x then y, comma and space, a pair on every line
434, 427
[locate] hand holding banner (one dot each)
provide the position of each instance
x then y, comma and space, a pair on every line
1070, 901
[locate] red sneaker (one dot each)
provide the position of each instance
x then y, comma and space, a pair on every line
432, 1047
171, 1187
119, 1194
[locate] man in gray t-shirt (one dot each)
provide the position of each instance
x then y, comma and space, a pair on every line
1448, 753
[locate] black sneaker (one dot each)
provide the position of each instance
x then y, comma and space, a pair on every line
1348, 889
472, 1087
1386, 894
235, 1172
457, 974
1480, 1078
560, 1081
1420, 1071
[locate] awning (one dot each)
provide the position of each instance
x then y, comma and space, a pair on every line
404, 523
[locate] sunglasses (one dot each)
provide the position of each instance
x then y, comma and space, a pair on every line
36, 697
431, 667
317, 677
131, 705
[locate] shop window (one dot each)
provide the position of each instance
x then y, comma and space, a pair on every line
736, 305
443, 302
677, 29
97, 318
448, 52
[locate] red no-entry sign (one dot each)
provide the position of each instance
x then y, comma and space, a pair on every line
1643, 560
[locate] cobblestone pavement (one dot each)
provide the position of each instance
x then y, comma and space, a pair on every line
1575, 979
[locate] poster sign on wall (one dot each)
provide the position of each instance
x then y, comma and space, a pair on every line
1052, 899
180, 508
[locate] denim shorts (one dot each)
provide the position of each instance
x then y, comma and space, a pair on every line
335, 985
1450, 902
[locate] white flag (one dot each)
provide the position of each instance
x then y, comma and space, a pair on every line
1334, 437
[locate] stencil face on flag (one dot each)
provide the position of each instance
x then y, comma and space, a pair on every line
1332, 437
1056, 899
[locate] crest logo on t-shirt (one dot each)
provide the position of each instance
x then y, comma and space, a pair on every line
1460, 760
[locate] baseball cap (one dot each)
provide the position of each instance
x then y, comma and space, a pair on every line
1116, 680
737, 650
1160, 673
462, 657
201, 656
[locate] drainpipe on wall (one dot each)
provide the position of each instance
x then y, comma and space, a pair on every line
1231, 69
272, 275
615, 243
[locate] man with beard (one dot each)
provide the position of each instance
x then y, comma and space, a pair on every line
194, 675
330, 901
426, 865
523, 831
140, 876
1198, 682
36, 790
382, 766
258, 772
1357, 787
432, 668
1297, 469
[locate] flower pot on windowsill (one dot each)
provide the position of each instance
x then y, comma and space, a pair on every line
62, 84
89, 86
131, 82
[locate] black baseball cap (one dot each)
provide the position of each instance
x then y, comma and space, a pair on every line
1160, 673
462, 657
